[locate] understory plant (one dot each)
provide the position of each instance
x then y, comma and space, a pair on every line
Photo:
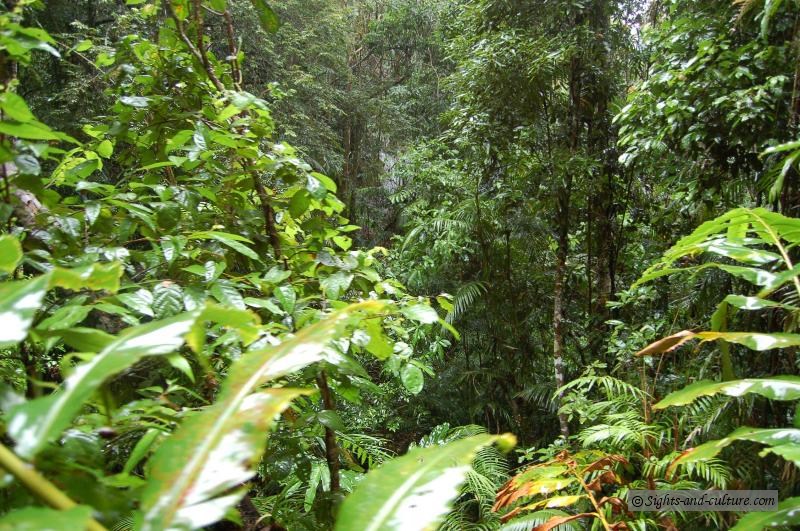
654, 434
176, 288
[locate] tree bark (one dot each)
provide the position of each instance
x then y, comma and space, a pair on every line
331, 448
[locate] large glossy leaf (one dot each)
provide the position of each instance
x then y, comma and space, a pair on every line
778, 388
10, 253
32, 424
755, 303
212, 453
412, 492
781, 441
233, 241
193, 472
726, 236
96, 277
752, 340
787, 515
44, 519
19, 301
266, 16
754, 275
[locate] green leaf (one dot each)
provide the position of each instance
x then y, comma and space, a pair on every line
34, 423
29, 131
326, 181
231, 240
336, 285
286, 297
84, 45
754, 303
141, 449
379, 345
784, 442
777, 388
81, 339
19, 301
787, 515
10, 253
96, 277
140, 300
421, 313
27, 165
754, 340
15, 107
135, 101
263, 303
343, 242
299, 202
167, 299
412, 492
266, 16
181, 364
331, 419
226, 293
44, 519
412, 378
276, 275
105, 149
315, 187
192, 474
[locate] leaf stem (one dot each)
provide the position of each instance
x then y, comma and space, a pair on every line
39, 485
781, 248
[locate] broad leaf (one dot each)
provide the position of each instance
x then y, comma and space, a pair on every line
412, 378
32, 424
421, 313
755, 303
787, 515
217, 449
19, 301
752, 340
266, 16
336, 284
412, 492
781, 441
777, 388
10, 253
44, 519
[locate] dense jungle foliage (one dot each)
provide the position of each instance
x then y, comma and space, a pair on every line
397, 264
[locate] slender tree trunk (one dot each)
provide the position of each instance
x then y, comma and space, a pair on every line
331, 448
558, 300
599, 143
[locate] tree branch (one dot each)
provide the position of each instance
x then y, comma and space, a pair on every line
39, 485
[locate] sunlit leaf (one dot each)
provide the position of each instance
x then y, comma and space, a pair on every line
412, 378
781, 441
786, 516
34, 423
19, 301
10, 253
421, 313
214, 451
44, 519
266, 16
777, 388
412, 492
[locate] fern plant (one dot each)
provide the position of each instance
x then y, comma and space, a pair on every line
756, 246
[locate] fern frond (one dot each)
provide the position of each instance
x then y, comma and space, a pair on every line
532, 520
466, 295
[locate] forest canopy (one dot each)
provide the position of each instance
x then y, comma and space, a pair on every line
397, 264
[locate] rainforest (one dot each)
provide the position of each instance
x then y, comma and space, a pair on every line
399, 265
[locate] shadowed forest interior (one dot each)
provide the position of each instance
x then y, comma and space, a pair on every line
397, 264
